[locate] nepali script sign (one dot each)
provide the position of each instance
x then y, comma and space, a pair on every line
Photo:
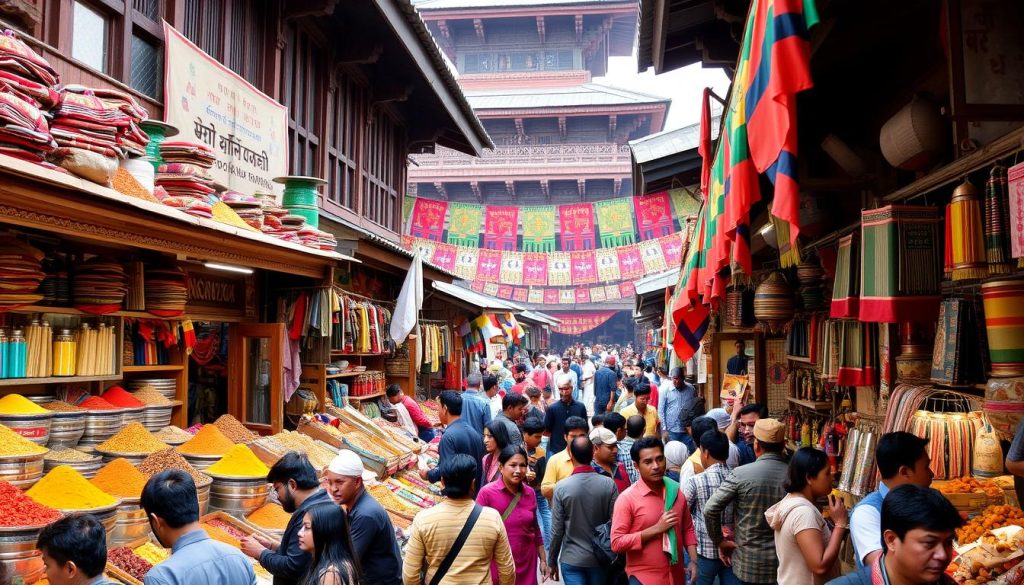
211, 104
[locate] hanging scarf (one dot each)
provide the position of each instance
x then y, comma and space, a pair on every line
671, 495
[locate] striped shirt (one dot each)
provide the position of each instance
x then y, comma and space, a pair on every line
698, 490
434, 531
627, 461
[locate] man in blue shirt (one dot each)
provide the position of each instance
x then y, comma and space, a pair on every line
373, 535
476, 407
606, 383
458, 436
677, 408
558, 412
298, 489
737, 364
172, 505
74, 551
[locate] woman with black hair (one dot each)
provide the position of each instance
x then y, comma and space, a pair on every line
496, 438
325, 535
806, 547
517, 504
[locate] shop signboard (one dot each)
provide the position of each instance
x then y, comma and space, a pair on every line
217, 293
212, 105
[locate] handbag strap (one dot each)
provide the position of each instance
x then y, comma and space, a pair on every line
460, 540
511, 506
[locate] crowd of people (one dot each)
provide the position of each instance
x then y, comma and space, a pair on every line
641, 486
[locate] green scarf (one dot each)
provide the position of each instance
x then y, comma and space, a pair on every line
671, 494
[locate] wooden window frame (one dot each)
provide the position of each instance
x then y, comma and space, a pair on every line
347, 99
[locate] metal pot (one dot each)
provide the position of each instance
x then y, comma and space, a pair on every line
100, 425
131, 525
201, 462
18, 554
238, 496
130, 415
203, 493
107, 516
34, 427
157, 417
88, 469
133, 458
66, 429
22, 471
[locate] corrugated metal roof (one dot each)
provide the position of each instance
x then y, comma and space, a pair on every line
482, 301
539, 317
588, 94
426, 5
670, 142
660, 281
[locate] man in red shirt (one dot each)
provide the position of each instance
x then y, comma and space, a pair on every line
519, 374
650, 533
409, 411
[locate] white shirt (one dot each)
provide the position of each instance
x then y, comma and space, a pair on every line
495, 404
404, 419
571, 374
588, 370
866, 530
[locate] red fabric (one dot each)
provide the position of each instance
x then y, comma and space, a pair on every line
501, 224
704, 148
577, 223
653, 215
899, 309
444, 256
295, 329
488, 267
637, 509
582, 295
584, 267
631, 264
535, 269
428, 218
577, 323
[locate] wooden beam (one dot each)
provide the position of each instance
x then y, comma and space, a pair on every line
300, 8
613, 121
510, 188
478, 26
581, 185
391, 92
579, 27
562, 127
359, 54
540, 29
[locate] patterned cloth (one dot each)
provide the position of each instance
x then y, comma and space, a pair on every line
698, 489
754, 488
624, 447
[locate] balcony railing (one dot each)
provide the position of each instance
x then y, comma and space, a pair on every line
523, 155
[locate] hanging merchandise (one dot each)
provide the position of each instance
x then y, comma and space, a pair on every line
965, 240
773, 302
1004, 405
354, 323
846, 290
812, 292
789, 248
739, 307
997, 227
958, 358
901, 264
1004, 326
435, 346
846, 352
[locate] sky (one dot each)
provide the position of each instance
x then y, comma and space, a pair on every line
684, 86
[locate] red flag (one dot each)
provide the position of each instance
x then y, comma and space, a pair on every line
707, 155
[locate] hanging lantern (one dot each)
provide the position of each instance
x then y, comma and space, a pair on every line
965, 240
915, 137
773, 302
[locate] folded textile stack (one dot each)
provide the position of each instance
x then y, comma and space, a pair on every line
327, 241
99, 286
166, 291
20, 273
24, 132
26, 73
84, 121
131, 139
309, 236
185, 176
246, 206
55, 288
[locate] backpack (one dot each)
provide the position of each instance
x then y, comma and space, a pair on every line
601, 541
687, 415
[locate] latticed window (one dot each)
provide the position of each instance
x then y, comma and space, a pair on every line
301, 90
382, 174
346, 112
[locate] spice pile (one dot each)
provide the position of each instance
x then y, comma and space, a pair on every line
61, 406
271, 516
120, 478
65, 489
279, 444
20, 510
67, 455
125, 559
13, 445
208, 441
97, 403
234, 429
170, 459
152, 553
172, 434
18, 404
239, 462
990, 518
134, 438
151, 397
117, 396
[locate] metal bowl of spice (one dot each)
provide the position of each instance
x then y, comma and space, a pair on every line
21, 519
239, 482
26, 418
82, 462
68, 424
133, 443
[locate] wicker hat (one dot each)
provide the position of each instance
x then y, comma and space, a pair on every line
769, 430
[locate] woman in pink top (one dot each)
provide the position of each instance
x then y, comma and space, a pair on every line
495, 440
517, 504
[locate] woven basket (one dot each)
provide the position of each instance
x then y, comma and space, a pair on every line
397, 367
773, 301
915, 137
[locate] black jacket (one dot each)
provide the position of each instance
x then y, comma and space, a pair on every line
289, 563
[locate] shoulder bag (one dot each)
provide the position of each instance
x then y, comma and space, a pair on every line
460, 540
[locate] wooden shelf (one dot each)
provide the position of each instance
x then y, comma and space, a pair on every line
58, 380
810, 404
158, 368
367, 397
74, 311
345, 375
343, 354
797, 358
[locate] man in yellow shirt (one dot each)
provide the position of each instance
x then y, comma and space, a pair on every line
640, 406
559, 466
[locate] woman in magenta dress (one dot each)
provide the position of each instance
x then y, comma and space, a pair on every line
495, 440
517, 504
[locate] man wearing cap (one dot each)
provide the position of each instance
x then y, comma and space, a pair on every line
476, 408
606, 458
499, 371
753, 488
606, 383
373, 535
677, 407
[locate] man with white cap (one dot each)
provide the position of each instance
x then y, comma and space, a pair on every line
606, 458
373, 535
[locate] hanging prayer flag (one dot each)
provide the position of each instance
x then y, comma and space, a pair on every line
535, 269
597, 294
627, 289
486, 326
566, 296
559, 269
551, 296
425, 248
1015, 179
407, 242
489, 267
477, 286
466, 261
607, 264
582, 295
611, 292
501, 226
536, 295
615, 221
672, 249
490, 289
653, 257
511, 268
504, 291
444, 256
464, 221
407, 205
577, 223
631, 263
428, 219
653, 215
539, 229
584, 269
684, 204
520, 294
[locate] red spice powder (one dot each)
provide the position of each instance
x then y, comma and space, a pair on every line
21, 510
118, 397
97, 403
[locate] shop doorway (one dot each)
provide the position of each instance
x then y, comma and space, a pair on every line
208, 373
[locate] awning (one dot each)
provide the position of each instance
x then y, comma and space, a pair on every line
538, 317
483, 302
657, 282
